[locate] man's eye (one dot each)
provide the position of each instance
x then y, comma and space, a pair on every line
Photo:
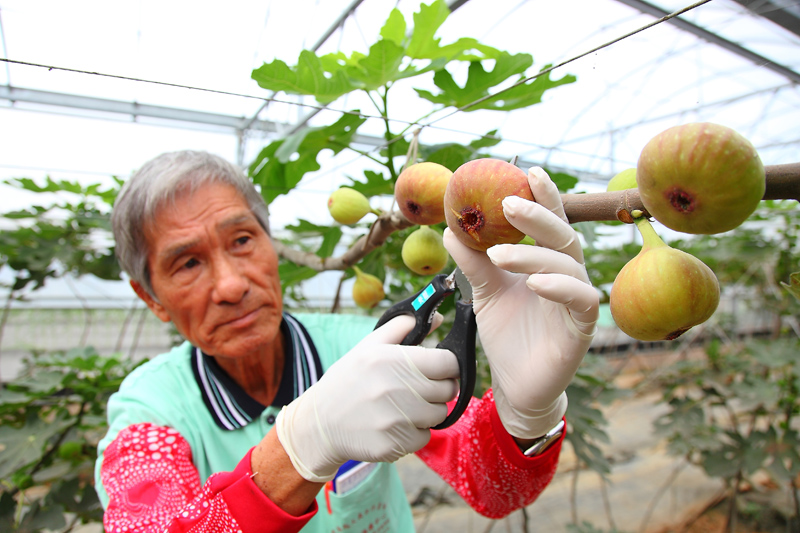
243, 240
191, 263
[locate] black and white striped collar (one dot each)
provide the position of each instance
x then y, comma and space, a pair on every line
230, 406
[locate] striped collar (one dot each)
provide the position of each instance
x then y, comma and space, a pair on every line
230, 406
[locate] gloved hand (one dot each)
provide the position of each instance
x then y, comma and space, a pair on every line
535, 308
375, 404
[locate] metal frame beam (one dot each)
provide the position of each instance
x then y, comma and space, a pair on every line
786, 16
706, 35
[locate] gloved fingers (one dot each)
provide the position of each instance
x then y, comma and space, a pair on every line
580, 299
393, 332
476, 266
545, 192
535, 260
425, 419
544, 226
433, 363
438, 369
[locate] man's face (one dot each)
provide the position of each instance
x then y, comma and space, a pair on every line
214, 272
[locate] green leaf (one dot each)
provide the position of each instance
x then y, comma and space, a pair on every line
307, 78
375, 184
24, 445
563, 181
426, 23
329, 241
480, 83
381, 66
394, 29
794, 285
487, 141
292, 273
451, 156
276, 177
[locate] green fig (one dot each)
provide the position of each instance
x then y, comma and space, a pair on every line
423, 252
348, 206
623, 180
700, 178
662, 292
367, 289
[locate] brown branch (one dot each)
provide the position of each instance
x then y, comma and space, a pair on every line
783, 183
384, 225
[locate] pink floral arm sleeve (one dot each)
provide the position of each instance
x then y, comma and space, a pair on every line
483, 463
153, 486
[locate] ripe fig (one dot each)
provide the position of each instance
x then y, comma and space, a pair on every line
419, 192
700, 178
623, 180
367, 289
348, 206
473, 202
662, 292
423, 252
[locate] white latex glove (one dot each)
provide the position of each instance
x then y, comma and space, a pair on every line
376, 404
535, 307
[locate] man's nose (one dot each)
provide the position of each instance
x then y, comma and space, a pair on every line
230, 282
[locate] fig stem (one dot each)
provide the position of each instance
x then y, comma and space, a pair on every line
650, 238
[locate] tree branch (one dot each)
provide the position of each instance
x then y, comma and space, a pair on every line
783, 183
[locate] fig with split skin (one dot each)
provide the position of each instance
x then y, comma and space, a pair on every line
419, 192
348, 206
423, 251
700, 178
662, 292
367, 289
473, 202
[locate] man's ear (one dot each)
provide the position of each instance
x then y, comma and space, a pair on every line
151, 302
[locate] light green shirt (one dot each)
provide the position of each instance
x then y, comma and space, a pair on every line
165, 392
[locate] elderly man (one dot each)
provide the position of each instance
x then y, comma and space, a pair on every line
246, 426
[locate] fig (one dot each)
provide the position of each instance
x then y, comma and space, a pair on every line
623, 180
423, 252
367, 289
348, 206
700, 178
662, 292
419, 192
473, 202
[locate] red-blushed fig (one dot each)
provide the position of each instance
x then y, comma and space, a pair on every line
700, 178
419, 192
662, 292
473, 202
622, 180
423, 252
348, 206
367, 289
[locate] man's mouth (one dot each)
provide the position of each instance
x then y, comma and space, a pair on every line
244, 320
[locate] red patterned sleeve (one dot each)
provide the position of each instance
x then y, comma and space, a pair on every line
153, 486
484, 465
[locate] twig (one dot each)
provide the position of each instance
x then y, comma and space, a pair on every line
651, 507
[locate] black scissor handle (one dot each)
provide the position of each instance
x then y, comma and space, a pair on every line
461, 341
422, 306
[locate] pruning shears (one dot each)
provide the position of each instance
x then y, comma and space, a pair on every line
460, 339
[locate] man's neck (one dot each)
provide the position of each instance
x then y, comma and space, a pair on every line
258, 374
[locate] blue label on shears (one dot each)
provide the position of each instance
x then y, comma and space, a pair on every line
420, 300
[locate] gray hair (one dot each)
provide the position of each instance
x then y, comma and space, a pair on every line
158, 182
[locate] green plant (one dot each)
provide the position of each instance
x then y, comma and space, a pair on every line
51, 418
734, 412
402, 54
